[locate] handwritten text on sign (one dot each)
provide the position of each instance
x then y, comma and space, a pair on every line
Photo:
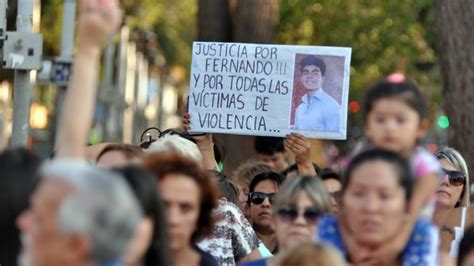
242, 88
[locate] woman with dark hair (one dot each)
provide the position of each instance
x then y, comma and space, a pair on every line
233, 239
190, 196
374, 202
149, 247
18, 179
228, 190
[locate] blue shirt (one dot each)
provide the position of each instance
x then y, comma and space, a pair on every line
113, 263
421, 249
260, 262
322, 114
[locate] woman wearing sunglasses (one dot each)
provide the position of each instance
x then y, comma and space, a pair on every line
452, 199
297, 207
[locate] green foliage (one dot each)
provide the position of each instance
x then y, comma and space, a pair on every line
385, 36
51, 22
174, 23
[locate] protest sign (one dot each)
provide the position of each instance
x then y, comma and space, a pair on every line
269, 90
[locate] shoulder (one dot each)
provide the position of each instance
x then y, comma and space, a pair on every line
229, 207
422, 235
301, 104
421, 154
453, 219
423, 226
331, 106
328, 232
328, 98
328, 227
424, 163
422, 247
234, 223
234, 217
206, 259
231, 213
261, 262
264, 252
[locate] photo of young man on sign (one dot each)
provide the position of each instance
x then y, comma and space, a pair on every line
314, 106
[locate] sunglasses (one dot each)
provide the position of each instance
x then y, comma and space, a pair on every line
151, 134
289, 214
456, 178
259, 197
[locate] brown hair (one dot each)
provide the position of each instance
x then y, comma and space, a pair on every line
312, 254
163, 164
227, 188
128, 150
247, 171
312, 185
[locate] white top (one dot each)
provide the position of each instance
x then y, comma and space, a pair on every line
458, 234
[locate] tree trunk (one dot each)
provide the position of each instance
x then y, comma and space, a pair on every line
213, 20
455, 25
254, 21
237, 21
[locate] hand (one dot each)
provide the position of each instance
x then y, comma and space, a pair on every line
300, 146
186, 120
205, 145
204, 141
98, 21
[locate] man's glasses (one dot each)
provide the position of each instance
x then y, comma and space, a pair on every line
456, 178
289, 214
259, 197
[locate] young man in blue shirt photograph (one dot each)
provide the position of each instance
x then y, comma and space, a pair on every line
318, 111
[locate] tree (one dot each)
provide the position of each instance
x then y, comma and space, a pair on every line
245, 21
385, 36
214, 20
456, 56
254, 21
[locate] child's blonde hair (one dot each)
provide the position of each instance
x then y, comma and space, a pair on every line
312, 254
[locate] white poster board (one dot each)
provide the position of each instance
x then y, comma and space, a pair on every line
269, 90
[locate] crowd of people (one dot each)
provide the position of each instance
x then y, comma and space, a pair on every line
166, 202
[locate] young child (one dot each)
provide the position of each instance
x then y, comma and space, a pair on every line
395, 119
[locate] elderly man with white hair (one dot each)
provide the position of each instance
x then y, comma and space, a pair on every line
79, 215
